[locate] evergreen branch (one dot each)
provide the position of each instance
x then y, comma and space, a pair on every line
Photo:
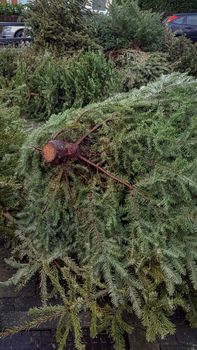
32, 324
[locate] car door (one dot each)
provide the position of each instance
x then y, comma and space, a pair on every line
191, 27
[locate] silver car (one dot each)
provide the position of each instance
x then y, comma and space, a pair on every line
10, 32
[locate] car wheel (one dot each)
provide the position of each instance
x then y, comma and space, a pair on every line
19, 33
21, 43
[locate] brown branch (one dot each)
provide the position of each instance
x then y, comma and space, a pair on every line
36, 149
32, 94
7, 216
102, 170
57, 134
95, 128
36, 94
57, 264
82, 114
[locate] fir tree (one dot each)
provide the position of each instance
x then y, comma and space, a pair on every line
119, 236
60, 25
46, 84
126, 25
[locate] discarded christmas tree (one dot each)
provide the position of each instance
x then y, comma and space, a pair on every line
110, 218
60, 25
12, 137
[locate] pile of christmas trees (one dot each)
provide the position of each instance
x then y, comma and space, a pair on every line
110, 213
101, 201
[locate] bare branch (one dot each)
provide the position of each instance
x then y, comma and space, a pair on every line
102, 170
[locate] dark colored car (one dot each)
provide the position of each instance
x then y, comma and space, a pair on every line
183, 24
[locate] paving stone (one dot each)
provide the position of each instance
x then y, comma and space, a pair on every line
31, 340
34, 335
23, 341
137, 341
6, 305
11, 292
25, 303
170, 340
6, 345
179, 318
12, 319
133, 321
46, 337
5, 274
186, 335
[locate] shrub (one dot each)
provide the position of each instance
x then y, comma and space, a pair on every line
122, 239
9, 9
127, 25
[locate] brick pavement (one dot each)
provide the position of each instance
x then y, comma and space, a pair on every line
45, 340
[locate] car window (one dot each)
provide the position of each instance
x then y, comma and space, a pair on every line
179, 20
192, 20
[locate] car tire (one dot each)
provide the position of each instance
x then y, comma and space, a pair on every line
19, 33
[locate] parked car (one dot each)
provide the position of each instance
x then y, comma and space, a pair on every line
183, 24
10, 32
